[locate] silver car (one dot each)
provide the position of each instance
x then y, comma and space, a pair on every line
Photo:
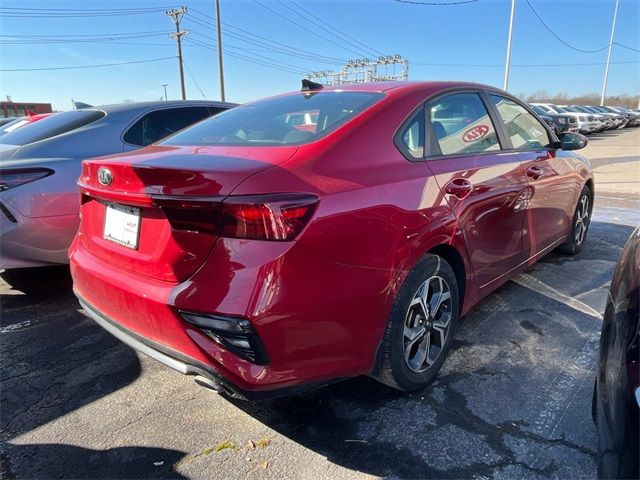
40, 163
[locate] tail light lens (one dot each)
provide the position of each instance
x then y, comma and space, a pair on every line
279, 217
14, 177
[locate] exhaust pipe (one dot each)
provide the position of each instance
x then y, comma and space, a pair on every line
209, 384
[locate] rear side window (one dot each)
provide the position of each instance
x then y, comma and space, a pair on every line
159, 124
461, 125
285, 120
56, 124
525, 131
411, 139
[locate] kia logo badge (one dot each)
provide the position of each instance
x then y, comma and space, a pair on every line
104, 176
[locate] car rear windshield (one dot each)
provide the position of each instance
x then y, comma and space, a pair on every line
56, 124
287, 120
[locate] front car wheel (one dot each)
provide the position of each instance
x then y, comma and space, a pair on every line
579, 225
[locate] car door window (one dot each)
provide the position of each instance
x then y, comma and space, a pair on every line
159, 124
410, 140
461, 124
525, 131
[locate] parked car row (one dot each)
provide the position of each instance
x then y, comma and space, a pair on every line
587, 119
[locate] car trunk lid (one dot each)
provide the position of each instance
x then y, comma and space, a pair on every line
139, 210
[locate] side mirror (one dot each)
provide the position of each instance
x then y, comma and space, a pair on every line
573, 141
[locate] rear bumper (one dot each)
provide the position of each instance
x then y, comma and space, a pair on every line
34, 242
185, 364
310, 339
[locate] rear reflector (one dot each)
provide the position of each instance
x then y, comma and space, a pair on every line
235, 334
277, 217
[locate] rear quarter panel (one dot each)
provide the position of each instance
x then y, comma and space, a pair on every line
378, 214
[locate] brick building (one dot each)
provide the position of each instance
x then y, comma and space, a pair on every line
20, 109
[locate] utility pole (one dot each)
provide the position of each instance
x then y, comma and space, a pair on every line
508, 63
165, 85
220, 67
176, 15
606, 70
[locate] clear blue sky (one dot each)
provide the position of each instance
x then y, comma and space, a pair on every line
471, 37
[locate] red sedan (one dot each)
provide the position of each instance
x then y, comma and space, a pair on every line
264, 259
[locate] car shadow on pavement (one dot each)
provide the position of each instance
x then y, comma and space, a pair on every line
70, 461
54, 361
604, 135
513, 399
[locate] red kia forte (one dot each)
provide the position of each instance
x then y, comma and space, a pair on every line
263, 258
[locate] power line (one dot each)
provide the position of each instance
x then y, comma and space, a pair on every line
521, 65
243, 51
571, 46
72, 13
558, 37
194, 79
626, 46
31, 9
437, 4
366, 50
259, 60
84, 66
300, 7
152, 32
111, 42
282, 51
258, 38
275, 12
60, 42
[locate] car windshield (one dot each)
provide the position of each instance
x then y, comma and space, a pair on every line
286, 120
563, 109
51, 126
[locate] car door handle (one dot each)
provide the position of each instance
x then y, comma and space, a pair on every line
459, 187
535, 172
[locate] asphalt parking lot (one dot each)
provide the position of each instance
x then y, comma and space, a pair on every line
513, 399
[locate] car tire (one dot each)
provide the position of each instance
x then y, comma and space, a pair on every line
580, 224
417, 340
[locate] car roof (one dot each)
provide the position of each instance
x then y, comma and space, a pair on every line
124, 107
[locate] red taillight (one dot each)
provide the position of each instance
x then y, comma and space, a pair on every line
276, 217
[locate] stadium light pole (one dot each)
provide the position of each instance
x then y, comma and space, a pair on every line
507, 66
606, 70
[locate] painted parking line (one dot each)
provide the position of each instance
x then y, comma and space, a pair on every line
537, 286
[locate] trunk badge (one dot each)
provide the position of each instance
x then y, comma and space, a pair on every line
105, 177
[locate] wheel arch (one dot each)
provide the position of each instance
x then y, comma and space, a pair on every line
589, 183
454, 258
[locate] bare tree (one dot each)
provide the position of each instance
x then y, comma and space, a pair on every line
563, 98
